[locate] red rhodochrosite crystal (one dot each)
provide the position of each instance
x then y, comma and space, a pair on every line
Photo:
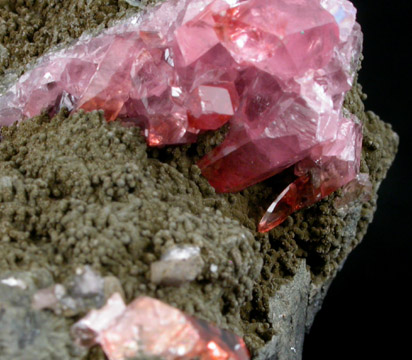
276, 70
150, 327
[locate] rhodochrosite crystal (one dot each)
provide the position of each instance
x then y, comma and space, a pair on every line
150, 327
276, 70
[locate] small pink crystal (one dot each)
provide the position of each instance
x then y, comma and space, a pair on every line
358, 190
88, 329
84, 290
154, 328
48, 298
178, 265
275, 70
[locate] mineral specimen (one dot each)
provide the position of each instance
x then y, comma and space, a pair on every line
358, 190
49, 298
87, 330
149, 327
27, 333
178, 265
276, 70
85, 290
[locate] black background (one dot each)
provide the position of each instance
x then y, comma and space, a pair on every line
367, 312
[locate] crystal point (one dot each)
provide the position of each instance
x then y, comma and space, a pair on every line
329, 167
276, 71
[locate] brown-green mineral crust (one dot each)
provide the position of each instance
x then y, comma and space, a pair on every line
75, 190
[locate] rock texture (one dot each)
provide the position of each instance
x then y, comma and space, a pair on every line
26, 333
75, 190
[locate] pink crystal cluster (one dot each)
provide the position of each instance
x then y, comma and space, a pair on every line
150, 327
276, 70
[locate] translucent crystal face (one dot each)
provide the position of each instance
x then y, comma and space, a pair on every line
154, 328
275, 70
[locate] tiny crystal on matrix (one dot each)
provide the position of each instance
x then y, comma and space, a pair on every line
84, 290
178, 265
150, 327
275, 70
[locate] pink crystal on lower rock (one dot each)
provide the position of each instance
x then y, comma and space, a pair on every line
275, 70
150, 327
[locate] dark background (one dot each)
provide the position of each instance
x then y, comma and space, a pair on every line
367, 312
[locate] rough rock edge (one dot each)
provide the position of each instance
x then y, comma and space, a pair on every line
295, 305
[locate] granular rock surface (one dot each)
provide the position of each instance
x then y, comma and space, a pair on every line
75, 190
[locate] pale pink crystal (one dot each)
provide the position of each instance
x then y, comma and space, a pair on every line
358, 190
84, 290
49, 298
87, 331
151, 327
276, 70
178, 265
